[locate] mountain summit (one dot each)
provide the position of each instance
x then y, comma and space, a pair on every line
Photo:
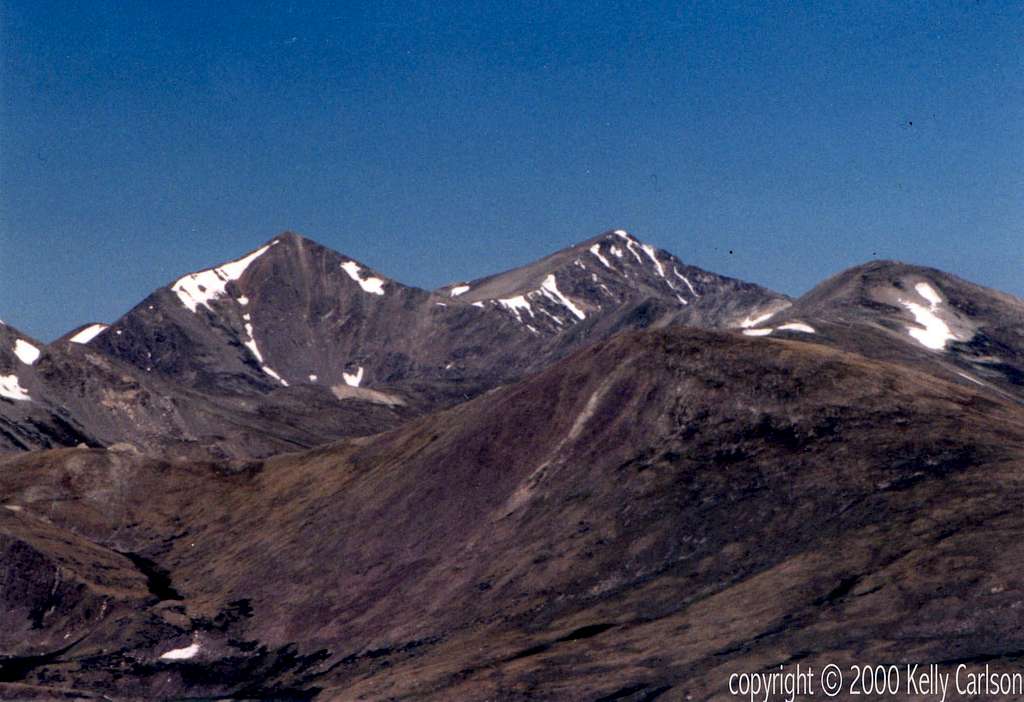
293, 344
300, 477
309, 344
294, 312
610, 274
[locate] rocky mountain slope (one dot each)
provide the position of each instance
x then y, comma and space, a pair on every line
606, 475
27, 419
294, 312
634, 522
294, 344
914, 315
614, 282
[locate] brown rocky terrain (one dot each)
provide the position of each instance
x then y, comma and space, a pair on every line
634, 522
605, 475
294, 345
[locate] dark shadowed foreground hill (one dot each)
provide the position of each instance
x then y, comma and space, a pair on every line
637, 521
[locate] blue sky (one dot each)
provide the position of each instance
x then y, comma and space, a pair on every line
441, 141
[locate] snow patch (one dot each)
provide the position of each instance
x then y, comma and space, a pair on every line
596, 250
243, 300
353, 379
616, 251
685, 280
935, 333
649, 250
372, 285
630, 241
556, 320
754, 321
273, 374
181, 654
797, 327
478, 304
313, 377
200, 288
515, 304
26, 352
250, 344
632, 249
550, 286
459, 290
10, 387
788, 326
928, 293
970, 378
89, 333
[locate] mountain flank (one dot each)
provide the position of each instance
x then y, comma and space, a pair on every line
643, 515
293, 345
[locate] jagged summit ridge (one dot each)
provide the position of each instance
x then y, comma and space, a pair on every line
293, 327
602, 274
297, 332
295, 312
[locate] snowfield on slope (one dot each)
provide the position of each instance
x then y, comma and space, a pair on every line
10, 387
26, 352
933, 332
89, 333
201, 288
372, 285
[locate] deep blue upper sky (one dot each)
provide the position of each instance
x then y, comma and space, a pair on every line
444, 140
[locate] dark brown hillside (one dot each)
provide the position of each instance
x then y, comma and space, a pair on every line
644, 516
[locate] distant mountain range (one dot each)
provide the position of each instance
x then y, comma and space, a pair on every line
606, 475
210, 363
296, 330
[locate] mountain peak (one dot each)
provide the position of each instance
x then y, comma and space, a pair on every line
610, 237
292, 239
293, 319
609, 275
